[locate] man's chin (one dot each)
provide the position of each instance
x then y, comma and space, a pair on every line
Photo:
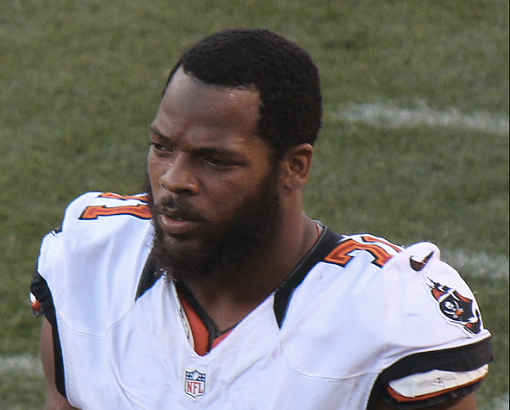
178, 256
171, 244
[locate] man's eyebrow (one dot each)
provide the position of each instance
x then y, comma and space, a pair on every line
216, 151
213, 150
157, 132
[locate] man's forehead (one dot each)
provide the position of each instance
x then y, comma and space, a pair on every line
188, 100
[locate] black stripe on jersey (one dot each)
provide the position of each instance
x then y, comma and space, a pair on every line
460, 359
39, 288
325, 244
150, 276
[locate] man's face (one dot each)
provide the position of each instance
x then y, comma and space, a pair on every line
214, 192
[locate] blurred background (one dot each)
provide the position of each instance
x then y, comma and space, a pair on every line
414, 145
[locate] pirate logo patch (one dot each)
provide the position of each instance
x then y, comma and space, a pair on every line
458, 309
194, 384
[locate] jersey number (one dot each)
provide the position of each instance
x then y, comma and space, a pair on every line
341, 255
140, 211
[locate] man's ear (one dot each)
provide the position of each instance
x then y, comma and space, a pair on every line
296, 167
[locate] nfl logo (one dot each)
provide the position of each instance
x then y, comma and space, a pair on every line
194, 384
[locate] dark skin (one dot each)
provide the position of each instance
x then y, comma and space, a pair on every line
204, 147
208, 135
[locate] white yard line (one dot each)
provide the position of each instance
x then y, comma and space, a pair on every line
21, 363
478, 264
390, 116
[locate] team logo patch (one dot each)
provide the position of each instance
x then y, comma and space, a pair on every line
458, 309
194, 385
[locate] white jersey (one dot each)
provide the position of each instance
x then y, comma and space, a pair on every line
358, 319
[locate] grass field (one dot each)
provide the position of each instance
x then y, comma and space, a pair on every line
414, 145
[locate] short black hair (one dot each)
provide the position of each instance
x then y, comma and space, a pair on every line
282, 72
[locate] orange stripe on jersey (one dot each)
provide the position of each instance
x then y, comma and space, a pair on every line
94, 212
404, 399
199, 331
220, 339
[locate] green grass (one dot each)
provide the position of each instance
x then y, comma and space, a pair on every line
20, 391
80, 83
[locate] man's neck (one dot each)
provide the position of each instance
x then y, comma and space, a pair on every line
229, 299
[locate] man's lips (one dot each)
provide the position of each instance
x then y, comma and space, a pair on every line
178, 223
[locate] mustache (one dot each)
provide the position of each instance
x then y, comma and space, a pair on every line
178, 208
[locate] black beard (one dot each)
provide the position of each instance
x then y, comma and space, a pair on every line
227, 250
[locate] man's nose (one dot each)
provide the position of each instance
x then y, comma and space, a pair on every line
179, 176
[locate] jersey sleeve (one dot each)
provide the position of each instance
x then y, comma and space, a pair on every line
410, 384
68, 272
440, 349
95, 225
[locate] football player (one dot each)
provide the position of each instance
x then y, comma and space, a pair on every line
214, 290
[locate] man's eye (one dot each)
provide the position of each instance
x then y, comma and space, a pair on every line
215, 161
218, 163
158, 147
